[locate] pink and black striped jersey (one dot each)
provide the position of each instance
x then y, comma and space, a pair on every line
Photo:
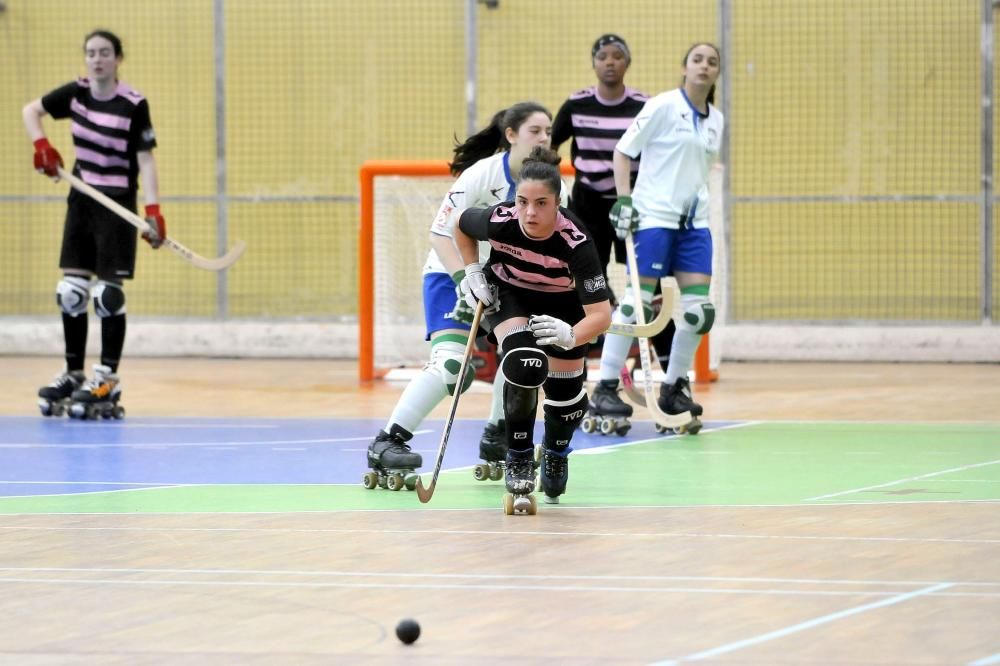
107, 133
566, 261
595, 124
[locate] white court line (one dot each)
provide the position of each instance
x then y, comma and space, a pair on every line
500, 533
161, 445
488, 576
898, 481
507, 585
802, 626
986, 661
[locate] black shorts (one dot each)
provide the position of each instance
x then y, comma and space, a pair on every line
517, 302
97, 240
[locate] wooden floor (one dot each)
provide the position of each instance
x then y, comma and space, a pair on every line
890, 583
324, 388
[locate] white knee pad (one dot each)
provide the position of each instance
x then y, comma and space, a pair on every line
72, 294
109, 299
446, 362
698, 315
625, 312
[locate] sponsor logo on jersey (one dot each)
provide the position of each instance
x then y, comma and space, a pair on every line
591, 285
496, 191
452, 194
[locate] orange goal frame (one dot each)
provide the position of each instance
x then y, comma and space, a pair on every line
366, 260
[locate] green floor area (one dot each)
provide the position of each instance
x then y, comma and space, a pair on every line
761, 463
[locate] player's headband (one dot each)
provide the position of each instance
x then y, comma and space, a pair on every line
605, 40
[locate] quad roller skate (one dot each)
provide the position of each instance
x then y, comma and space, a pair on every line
492, 449
554, 468
98, 397
676, 398
392, 464
54, 399
520, 479
606, 412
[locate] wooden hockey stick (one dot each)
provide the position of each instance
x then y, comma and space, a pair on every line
645, 330
425, 493
668, 421
217, 264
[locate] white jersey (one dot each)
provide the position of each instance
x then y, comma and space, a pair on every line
485, 183
678, 146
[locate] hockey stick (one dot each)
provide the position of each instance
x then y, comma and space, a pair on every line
654, 327
668, 421
425, 493
217, 264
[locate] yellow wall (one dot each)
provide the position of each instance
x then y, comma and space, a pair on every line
846, 98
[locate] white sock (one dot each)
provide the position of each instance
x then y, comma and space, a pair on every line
496, 405
616, 348
421, 395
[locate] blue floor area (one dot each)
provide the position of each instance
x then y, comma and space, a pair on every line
45, 456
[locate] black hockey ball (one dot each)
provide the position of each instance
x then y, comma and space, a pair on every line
408, 631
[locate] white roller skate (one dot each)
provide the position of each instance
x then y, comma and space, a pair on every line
492, 449
98, 397
54, 399
519, 477
393, 465
606, 412
676, 398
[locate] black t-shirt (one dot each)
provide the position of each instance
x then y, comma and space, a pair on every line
565, 262
107, 133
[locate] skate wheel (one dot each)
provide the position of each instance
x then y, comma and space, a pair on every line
588, 425
118, 412
496, 472
369, 480
46, 409
508, 504
90, 412
660, 429
394, 482
481, 472
608, 426
58, 409
532, 505
410, 481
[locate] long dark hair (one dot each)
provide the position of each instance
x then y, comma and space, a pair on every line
108, 35
542, 165
493, 137
684, 62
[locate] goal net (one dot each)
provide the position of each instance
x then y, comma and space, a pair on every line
398, 202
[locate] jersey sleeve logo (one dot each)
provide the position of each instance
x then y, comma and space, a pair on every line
595, 284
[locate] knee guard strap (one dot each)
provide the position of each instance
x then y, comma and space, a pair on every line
109, 299
564, 406
698, 315
72, 294
446, 363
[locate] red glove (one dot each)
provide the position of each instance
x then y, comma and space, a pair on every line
47, 158
157, 226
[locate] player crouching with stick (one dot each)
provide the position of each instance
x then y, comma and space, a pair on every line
545, 296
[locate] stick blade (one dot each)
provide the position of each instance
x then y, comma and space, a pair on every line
425, 494
205, 263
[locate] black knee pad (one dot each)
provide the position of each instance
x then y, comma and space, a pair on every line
524, 364
564, 406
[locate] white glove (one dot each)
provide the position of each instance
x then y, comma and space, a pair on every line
476, 289
551, 331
